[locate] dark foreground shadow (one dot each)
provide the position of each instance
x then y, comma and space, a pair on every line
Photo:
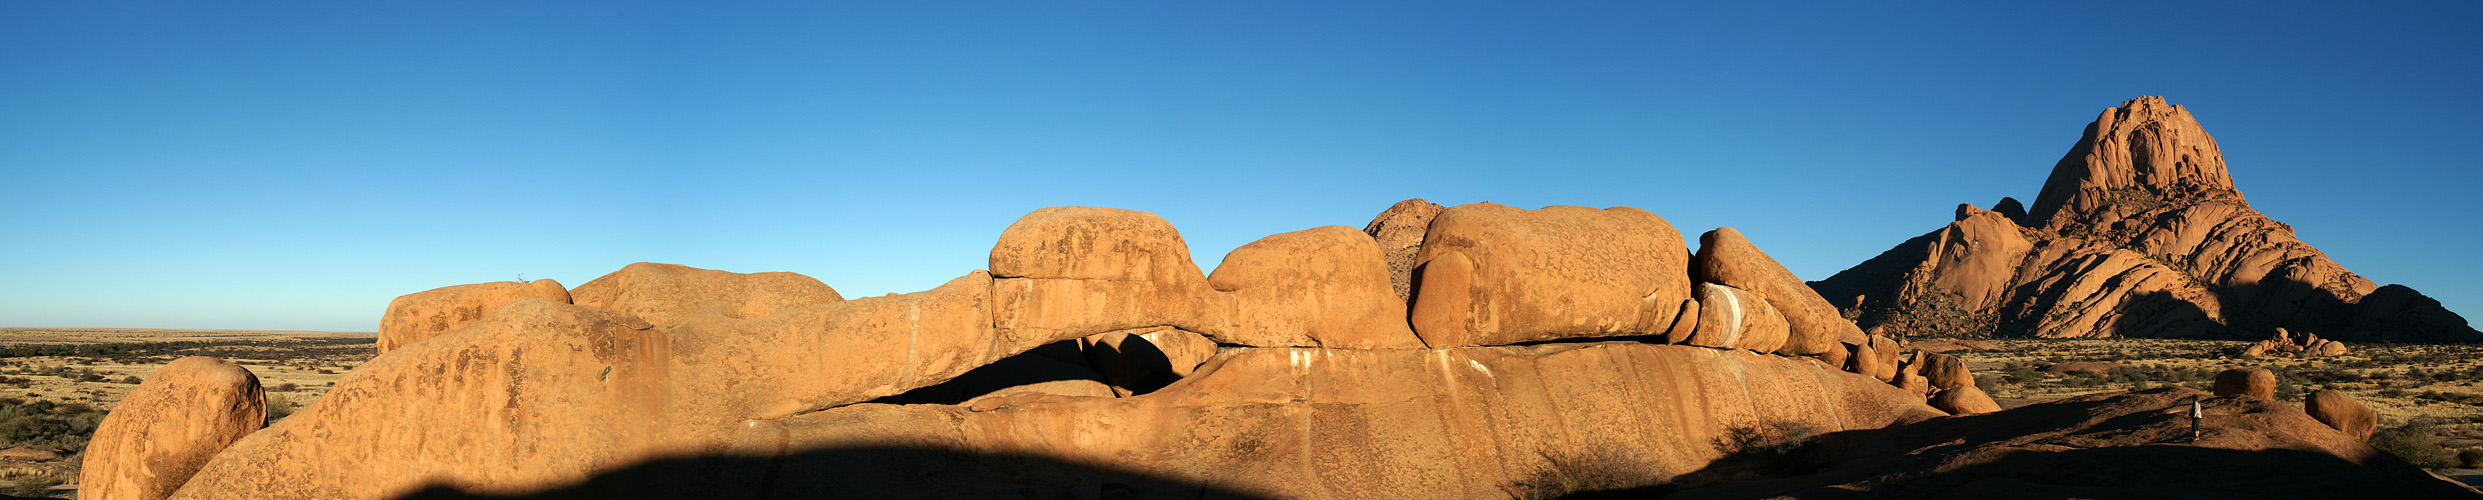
865, 472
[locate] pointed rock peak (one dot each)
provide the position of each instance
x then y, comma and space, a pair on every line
2142, 154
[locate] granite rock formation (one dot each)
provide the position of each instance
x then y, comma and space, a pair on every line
1094, 341
1094, 360
2139, 232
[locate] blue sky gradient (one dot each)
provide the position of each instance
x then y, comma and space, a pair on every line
252, 165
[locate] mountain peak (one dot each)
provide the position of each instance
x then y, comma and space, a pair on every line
2145, 149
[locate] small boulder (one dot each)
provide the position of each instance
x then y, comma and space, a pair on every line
1964, 400
2342, 412
1732, 318
169, 427
1685, 323
2254, 382
2331, 348
426, 314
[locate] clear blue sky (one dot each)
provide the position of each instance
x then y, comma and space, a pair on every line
253, 165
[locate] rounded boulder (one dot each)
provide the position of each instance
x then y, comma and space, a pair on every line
169, 427
2254, 382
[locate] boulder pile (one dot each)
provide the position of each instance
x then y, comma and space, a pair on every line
2288, 343
2139, 232
1092, 354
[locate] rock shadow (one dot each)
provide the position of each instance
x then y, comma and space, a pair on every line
862, 472
2159, 314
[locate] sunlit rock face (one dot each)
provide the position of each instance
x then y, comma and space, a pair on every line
2139, 232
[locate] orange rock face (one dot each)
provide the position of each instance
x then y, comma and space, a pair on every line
2139, 232
1726, 258
169, 427
428, 314
1496, 275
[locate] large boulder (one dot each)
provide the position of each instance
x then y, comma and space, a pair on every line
671, 294
1732, 318
1943, 371
1399, 231
416, 316
1726, 258
2254, 382
1069, 272
169, 427
1319, 287
1497, 275
2342, 412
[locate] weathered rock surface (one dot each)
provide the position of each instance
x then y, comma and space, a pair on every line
1399, 231
169, 427
2139, 232
1496, 275
2342, 413
671, 294
2108, 445
416, 316
1725, 257
2254, 382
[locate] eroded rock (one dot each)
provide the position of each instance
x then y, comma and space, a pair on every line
417, 316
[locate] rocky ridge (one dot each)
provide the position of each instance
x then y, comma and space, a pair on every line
2139, 232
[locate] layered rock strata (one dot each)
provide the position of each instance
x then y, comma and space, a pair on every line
2139, 232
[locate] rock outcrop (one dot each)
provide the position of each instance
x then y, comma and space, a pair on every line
2288, 343
1094, 357
429, 313
169, 427
2139, 232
